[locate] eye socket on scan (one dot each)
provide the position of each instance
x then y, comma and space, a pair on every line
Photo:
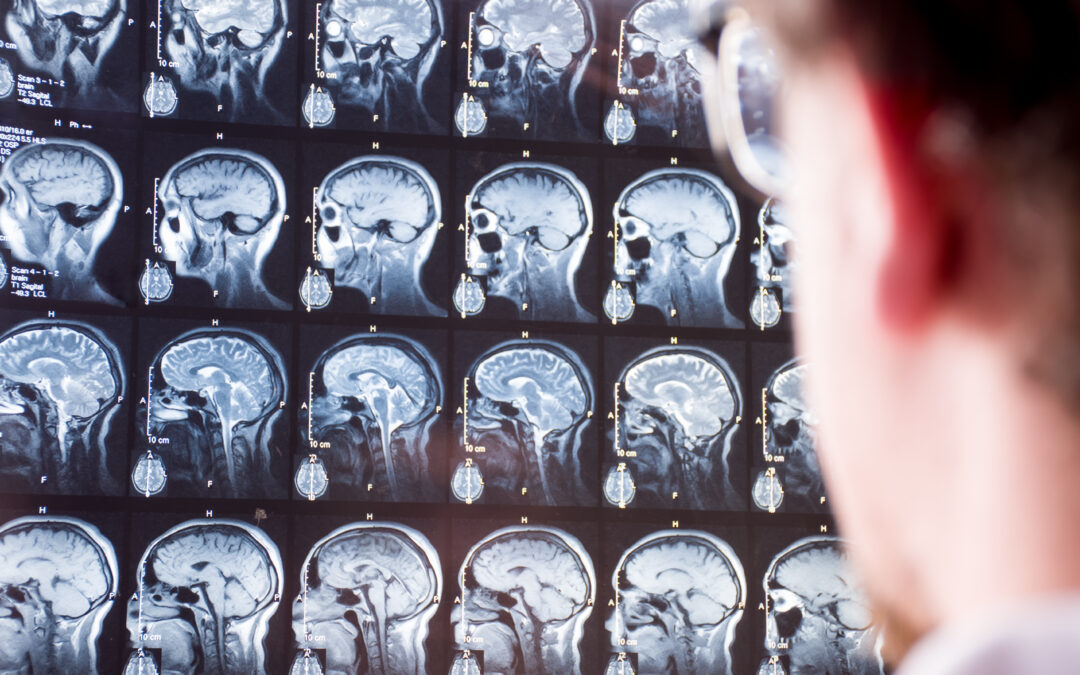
483, 219
334, 29
784, 600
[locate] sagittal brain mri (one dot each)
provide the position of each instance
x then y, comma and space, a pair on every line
526, 593
374, 400
223, 50
528, 404
59, 202
215, 396
205, 592
676, 231
679, 596
659, 76
376, 56
529, 224
67, 40
222, 213
817, 621
676, 411
61, 384
58, 580
527, 59
773, 266
368, 592
378, 219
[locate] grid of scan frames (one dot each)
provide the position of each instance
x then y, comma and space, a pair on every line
139, 90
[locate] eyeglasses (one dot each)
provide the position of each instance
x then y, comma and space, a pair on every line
741, 94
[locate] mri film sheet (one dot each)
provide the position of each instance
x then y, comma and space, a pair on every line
215, 228
675, 435
524, 421
526, 242
63, 415
673, 253
369, 597
376, 65
373, 233
372, 423
68, 203
524, 70
75, 55
211, 418
220, 62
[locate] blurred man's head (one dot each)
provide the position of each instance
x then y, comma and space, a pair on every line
935, 149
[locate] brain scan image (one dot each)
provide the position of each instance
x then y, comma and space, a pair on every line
525, 61
218, 56
773, 266
679, 596
222, 211
58, 580
215, 396
373, 401
528, 404
68, 43
817, 620
676, 231
368, 592
60, 203
61, 384
205, 592
659, 75
526, 593
378, 219
528, 225
374, 59
676, 411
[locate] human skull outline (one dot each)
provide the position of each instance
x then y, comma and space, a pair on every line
544, 579
681, 595
677, 231
59, 202
379, 218
58, 580
205, 593
529, 226
222, 212
394, 575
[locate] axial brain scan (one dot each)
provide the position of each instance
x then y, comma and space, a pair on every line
817, 620
677, 411
369, 591
215, 396
58, 580
206, 590
60, 386
59, 201
529, 225
526, 593
378, 218
676, 232
374, 400
223, 210
680, 595
528, 407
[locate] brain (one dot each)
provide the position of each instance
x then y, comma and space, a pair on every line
531, 196
379, 556
553, 580
235, 568
817, 571
407, 22
674, 202
788, 386
72, 365
215, 16
667, 22
558, 26
224, 363
372, 192
540, 381
58, 173
70, 568
688, 386
91, 8
221, 184
388, 371
691, 568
